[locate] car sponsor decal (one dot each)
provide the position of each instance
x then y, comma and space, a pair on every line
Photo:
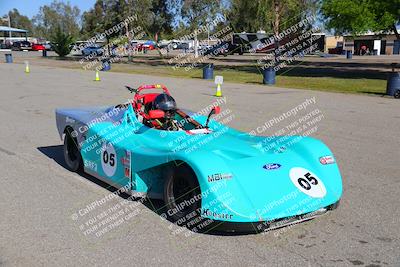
219, 176
327, 160
108, 159
69, 120
198, 131
272, 166
126, 162
209, 213
307, 182
90, 165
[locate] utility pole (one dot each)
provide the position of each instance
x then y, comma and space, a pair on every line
208, 36
196, 47
9, 25
7, 19
129, 42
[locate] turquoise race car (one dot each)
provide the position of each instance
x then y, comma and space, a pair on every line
208, 174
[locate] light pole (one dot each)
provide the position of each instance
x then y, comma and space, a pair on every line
196, 51
9, 26
208, 36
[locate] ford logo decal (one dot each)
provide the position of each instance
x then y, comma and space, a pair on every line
272, 166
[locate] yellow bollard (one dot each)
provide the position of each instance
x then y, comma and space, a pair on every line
27, 70
97, 79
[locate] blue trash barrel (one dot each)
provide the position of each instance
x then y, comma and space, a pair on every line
44, 53
349, 54
396, 47
208, 72
106, 65
393, 84
9, 58
269, 75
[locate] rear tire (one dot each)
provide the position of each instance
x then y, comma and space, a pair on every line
182, 195
72, 155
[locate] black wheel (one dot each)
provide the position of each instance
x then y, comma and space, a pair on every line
397, 94
182, 195
72, 155
334, 205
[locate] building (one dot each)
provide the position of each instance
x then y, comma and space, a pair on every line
332, 42
380, 44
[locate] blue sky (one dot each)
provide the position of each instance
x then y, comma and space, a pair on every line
31, 7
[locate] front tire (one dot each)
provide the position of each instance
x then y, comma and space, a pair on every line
182, 195
72, 155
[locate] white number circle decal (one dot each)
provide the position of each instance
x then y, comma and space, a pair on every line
307, 182
108, 159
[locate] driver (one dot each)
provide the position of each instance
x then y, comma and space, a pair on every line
167, 104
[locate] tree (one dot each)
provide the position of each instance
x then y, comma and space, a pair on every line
242, 18
196, 13
162, 22
107, 13
62, 42
268, 15
19, 21
92, 20
57, 15
358, 17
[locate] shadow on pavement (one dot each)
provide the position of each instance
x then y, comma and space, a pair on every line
157, 206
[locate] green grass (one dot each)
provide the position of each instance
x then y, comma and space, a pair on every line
329, 84
294, 78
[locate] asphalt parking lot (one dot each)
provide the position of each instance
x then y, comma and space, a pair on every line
39, 197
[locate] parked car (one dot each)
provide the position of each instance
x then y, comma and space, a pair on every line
134, 45
183, 46
21, 45
5, 45
164, 44
38, 47
174, 45
216, 50
335, 51
93, 50
149, 45
48, 46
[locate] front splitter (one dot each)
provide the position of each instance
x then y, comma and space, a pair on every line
266, 226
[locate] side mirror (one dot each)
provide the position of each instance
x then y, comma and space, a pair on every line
156, 114
215, 110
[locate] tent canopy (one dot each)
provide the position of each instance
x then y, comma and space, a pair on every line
9, 29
